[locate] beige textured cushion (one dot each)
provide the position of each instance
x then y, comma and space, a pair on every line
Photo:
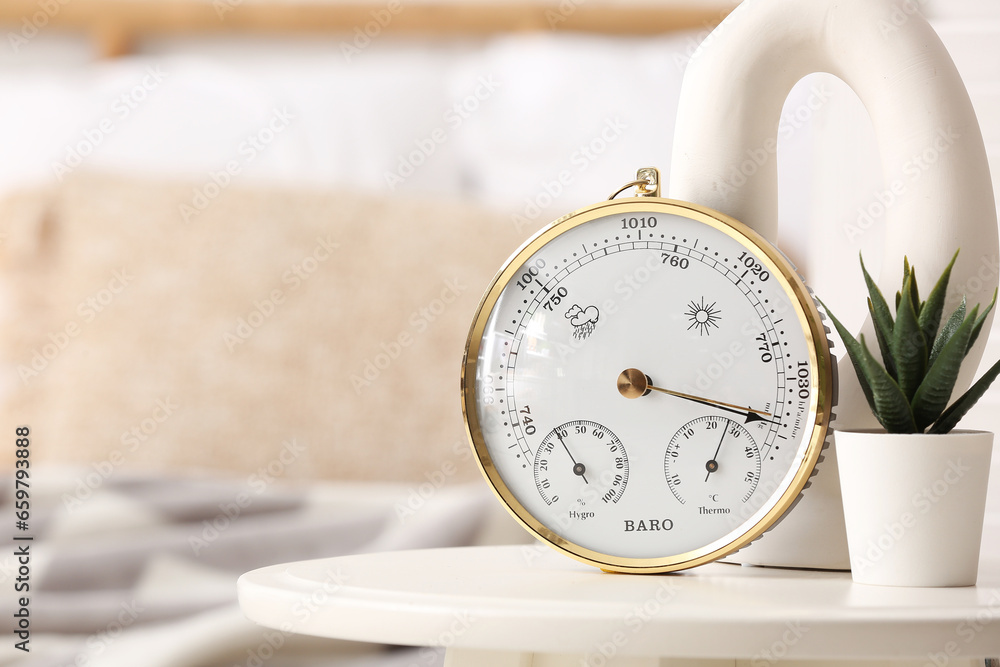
276, 333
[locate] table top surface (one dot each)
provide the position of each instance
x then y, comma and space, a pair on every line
530, 598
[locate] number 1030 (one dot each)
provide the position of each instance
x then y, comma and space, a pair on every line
803, 377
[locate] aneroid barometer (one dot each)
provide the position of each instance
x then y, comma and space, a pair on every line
647, 383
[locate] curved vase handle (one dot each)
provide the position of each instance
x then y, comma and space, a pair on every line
730, 106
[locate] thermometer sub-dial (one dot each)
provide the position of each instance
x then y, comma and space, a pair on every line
581, 463
714, 462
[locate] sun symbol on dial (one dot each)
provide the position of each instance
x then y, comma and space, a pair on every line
703, 316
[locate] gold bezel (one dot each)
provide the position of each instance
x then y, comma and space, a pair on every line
820, 359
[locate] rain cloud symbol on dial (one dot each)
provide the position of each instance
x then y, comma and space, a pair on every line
583, 320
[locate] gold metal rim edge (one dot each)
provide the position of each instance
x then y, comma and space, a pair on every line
820, 357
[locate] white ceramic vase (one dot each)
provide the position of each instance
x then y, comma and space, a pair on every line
913, 505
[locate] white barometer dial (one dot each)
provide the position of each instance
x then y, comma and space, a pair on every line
647, 385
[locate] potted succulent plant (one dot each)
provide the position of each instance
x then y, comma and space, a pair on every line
915, 493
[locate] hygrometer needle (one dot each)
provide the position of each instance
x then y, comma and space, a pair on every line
578, 468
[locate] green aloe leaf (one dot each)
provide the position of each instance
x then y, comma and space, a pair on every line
906, 274
947, 331
885, 399
884, 342
912, 291
853, 351
950, 417
930, 313
884, 315
932, 396
891, 407
909, 347
980, 321
881, 317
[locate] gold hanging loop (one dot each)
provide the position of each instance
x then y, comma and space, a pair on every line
646, 183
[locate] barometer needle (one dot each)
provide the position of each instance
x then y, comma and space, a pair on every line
633, 383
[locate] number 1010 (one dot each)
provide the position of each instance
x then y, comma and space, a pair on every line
639, 223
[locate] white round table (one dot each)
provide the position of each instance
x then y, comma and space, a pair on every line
528, 605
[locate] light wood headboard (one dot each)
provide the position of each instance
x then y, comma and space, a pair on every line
116, 24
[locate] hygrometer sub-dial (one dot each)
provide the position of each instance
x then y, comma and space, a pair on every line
582, 464
713, 462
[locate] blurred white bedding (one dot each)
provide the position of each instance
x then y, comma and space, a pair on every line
495, 120
146, 565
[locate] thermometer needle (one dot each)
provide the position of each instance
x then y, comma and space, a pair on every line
713, 463
578, 468
633, 383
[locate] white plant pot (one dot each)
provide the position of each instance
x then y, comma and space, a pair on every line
914, 505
